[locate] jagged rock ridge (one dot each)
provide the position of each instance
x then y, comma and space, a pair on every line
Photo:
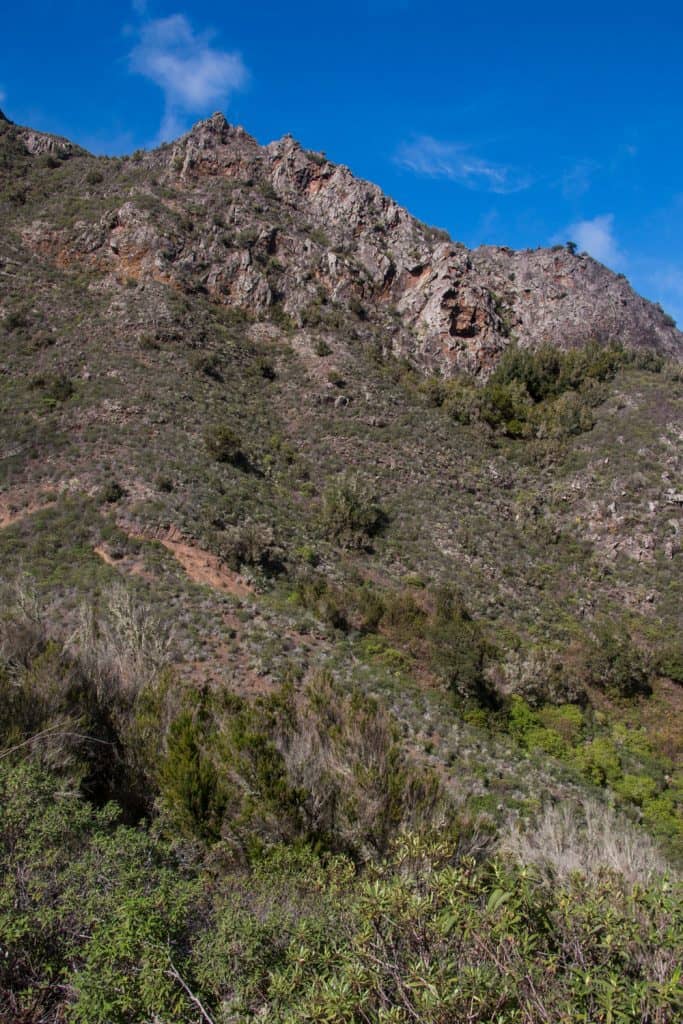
278, 226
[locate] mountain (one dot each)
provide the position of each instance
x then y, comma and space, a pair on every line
332, 553
277, 225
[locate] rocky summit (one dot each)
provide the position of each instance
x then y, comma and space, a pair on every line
341, 674
278, 226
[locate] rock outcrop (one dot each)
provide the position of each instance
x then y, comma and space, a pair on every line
278, 227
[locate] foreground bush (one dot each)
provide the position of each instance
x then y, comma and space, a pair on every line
325, 766
114, 925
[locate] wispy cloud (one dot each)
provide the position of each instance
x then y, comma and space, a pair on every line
488, 227
193, 74
597, 238
3, 95
432, 158
575, 182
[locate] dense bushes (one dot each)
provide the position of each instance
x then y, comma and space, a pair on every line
96, 705
458, 649
613, 663
612, 757
324, 765
90, 913
539, 393
436, 630
290, 868
113, 925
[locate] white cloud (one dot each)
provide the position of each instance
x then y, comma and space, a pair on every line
575, 182
596, 237
139, 6
428, 156
193, 74
3, 95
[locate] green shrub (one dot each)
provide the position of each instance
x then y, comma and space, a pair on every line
567, 721
599, 761
145, 931
521, 719
614, 664
669, 662
224, 445
566, 416
404, 619
547, 740
112, 492
351, 515
266, 368
56, 389
506, 405
637, 789
378, 649
208, 364
321, 348
458, 649
188, 780
542, 392
663, 817
84, 898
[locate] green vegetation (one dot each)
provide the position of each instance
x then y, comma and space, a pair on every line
427, 934
539, 393
351, 515
609, 756
224, 445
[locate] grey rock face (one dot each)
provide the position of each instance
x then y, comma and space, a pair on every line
277, 225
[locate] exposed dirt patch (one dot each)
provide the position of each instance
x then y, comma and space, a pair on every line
204, 568
201, 566
131, 566
18, 504
102, 553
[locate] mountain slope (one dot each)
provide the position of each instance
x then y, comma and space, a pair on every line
338, 553
204, 349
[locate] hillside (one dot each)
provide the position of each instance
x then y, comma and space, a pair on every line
318, 529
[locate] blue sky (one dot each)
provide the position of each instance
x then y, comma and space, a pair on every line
519, 125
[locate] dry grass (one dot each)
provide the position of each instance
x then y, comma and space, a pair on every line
122, 640
586, 837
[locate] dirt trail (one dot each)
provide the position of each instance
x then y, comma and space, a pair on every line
201, 566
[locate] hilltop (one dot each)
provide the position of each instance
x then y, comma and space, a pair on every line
280, 227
